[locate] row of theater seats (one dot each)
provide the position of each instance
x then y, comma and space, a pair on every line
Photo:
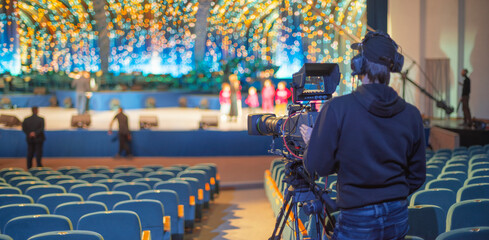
121, 203
454, 199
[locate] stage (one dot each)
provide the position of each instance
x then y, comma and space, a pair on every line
454, 134
177, 134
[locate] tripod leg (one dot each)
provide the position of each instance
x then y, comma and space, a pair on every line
296, 222
278, 226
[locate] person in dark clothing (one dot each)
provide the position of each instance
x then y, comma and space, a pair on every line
33, 128
124, 133
374, 140
465, 98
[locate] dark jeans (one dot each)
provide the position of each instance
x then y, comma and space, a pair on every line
466, 109
387, 220
124, 143
34, 147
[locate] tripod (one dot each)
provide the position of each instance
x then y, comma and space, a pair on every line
303, 192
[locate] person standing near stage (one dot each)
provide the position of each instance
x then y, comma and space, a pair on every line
33, 128
465, 98
124, 133
375, 141
81, 83
282, 96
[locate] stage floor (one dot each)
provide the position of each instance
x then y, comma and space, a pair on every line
169, 119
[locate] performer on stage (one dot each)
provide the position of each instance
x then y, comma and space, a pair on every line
33, 128
81, 83
267, 95
465, 98
252, 100
282, 98
124, 133
225, 101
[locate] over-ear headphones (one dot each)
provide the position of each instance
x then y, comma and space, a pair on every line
394, 63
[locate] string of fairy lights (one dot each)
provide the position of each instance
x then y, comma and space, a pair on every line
154, 36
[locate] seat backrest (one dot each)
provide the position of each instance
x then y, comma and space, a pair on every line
92, 178
36, 170
112, 225
183, 190
51, 201
461, 176
169, 199
9, 175
133, 188
10, 190
162, 175
58, 178
479, 172
426, 221
153, 167
66, 169
440, 197
21, 228
11, 211
472, 233
110, 198
128, 177
150, 181
43, 175
477, 166
475, 180
125, 168
194, 188
16, 180
142, 171
468, 213
68, 235
473, 191
174, 170
4, 171
150, 212
37, 191
110, 173
455, 167
88, 188
75, 210
477, 159
97, 169
77, 173
433, 170
6, 199
23, 186
110, 183
67, 184
448, 183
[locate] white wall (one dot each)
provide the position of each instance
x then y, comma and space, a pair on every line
430, 29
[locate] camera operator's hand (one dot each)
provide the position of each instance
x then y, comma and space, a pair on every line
306, 132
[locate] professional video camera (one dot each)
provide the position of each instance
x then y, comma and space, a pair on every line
313, 83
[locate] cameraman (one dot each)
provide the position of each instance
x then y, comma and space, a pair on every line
374, 140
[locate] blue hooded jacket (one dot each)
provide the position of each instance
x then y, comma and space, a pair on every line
374, 140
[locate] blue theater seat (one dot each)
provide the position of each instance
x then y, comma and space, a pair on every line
110, 183
66, 169
12, 211
470, 233
53, 200
475, 180
133, 188
142, 171
92, 178
441, 197
473, 191
10, 190
16, 180
110, 173
75, 210
162, 175
58, 178
36, 170
477, 166
23, 186
183, 190
426, 221
6, 199
151, 214
21, 228
97, 169
153, 167
448, 183
203, 180
9, 175
44, 174
4, 171
110, 198
68, 235
128, 177
479, 172
87, 189
67, 184
37, 191
169, 199
125, 168
112, 225
77, 173
199, 198
468, 213
150, 181
174, 170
